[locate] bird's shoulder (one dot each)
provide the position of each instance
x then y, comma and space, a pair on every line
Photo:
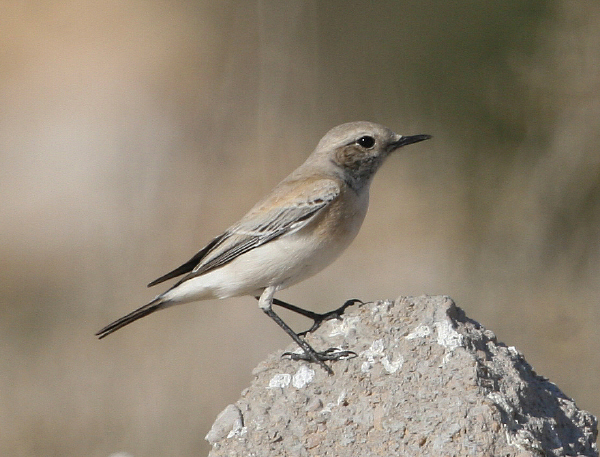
300, 192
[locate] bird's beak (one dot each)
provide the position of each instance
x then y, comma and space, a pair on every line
406, 140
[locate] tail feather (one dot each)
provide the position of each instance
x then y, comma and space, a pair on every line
154, 305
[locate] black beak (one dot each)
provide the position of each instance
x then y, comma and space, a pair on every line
406, 140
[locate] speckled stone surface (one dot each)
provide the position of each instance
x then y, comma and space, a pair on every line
428, 381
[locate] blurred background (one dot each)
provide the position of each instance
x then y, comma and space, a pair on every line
132, 132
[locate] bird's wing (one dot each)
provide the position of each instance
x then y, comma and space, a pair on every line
190, 264
269, 219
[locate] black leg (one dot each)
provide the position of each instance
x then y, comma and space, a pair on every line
309, 354
317, 318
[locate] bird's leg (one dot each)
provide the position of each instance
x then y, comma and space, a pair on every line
265, 301
317, 318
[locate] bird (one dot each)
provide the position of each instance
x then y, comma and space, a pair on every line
295, 231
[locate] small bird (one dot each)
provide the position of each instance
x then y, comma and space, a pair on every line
298, 229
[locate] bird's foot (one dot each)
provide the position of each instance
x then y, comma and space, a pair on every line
329, 354
318, 319
309, 354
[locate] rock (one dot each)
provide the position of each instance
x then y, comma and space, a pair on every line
427, 381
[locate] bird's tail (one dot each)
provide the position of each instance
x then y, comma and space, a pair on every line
154, 305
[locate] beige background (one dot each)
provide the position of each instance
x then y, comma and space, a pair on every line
133, 132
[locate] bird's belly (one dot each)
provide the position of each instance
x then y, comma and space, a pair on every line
281, 263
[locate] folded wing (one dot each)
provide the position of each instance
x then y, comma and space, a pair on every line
267, 221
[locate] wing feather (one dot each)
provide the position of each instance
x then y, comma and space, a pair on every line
258, 227
245, 236
189, 265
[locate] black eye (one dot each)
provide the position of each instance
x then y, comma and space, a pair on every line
366, 141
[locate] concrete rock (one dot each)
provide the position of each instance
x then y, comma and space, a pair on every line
428, 381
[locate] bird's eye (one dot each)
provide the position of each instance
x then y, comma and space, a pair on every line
366, 141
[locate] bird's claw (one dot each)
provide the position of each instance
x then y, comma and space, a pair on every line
318, 319
329, 354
